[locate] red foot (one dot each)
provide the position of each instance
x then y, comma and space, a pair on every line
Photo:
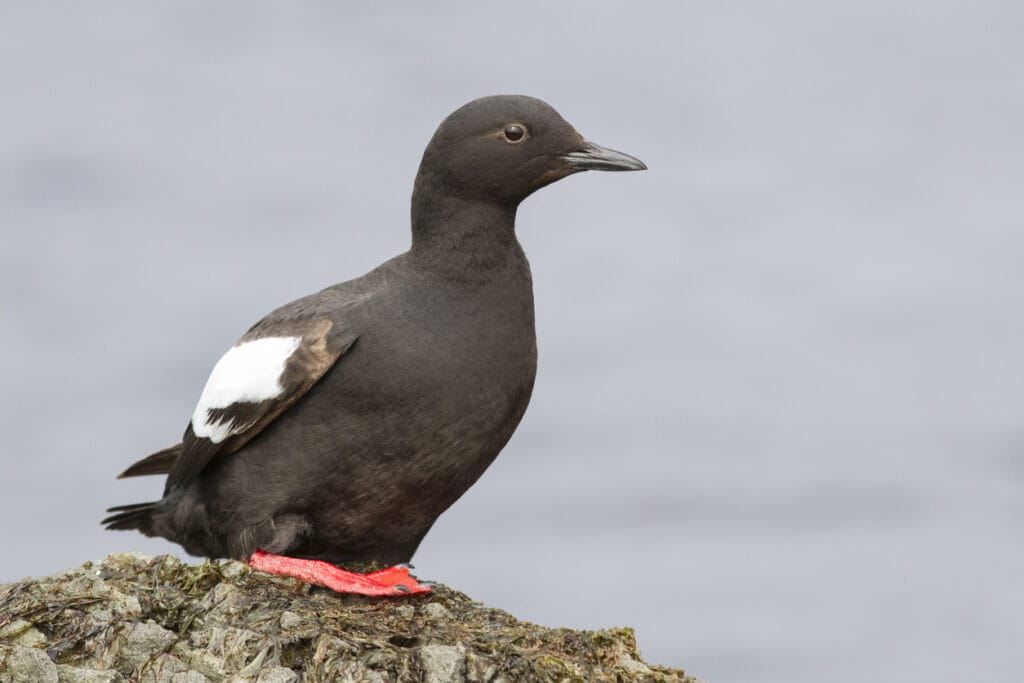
392, 581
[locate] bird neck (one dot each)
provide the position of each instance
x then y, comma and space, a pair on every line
462, 240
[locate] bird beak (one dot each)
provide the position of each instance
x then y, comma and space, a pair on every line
596, 158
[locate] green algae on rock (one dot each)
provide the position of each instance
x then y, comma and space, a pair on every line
134, 618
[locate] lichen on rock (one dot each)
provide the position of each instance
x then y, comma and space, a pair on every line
134, 618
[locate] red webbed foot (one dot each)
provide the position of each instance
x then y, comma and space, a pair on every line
393, 581
400, 577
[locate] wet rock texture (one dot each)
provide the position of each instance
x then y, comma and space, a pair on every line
134, 618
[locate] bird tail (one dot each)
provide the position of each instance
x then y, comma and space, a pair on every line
140, 515
136, 516
160, 462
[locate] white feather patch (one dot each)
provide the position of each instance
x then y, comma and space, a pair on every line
249, 372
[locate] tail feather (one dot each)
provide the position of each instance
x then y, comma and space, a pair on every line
135, 516
160, 462
140, 515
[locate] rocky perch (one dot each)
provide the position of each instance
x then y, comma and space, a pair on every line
134, 618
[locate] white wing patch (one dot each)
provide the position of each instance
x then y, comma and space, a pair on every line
248, 373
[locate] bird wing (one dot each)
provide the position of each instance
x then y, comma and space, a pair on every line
270, 368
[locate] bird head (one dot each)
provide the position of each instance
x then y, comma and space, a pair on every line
502, 148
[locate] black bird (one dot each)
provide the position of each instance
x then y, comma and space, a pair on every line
341, 425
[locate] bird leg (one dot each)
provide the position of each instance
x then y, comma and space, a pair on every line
392, 581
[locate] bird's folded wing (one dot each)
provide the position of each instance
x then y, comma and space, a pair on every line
268, 370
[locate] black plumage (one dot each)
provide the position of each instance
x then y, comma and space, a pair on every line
403, 385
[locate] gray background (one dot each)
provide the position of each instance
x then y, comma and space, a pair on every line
777, 420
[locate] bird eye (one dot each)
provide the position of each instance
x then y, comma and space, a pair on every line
514, 133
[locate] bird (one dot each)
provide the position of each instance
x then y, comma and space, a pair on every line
343, 424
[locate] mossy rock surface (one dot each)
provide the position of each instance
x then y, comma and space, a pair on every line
135, 618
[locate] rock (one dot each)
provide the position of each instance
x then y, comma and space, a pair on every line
142, 642
436, 610
76, 674
290, 621
233, 568
189, 677
21, 664
158, 620
443, 663
21, 632
168, 668
278, 674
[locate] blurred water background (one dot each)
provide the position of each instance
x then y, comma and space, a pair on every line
777, 423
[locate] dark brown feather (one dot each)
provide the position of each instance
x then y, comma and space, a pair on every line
316, 353
160, 462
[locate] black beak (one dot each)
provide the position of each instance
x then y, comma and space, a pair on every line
596, 158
